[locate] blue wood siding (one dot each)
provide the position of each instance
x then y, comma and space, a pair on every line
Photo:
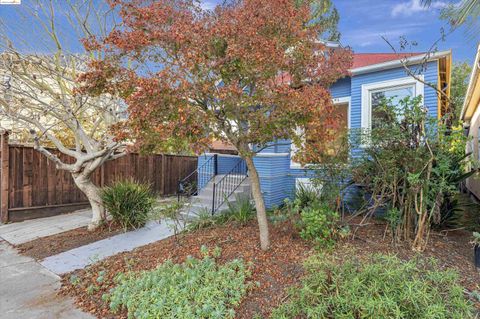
224, 164
430, 95
281, 146
273, 171
341, 88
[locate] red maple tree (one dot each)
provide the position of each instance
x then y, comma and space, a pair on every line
249, 72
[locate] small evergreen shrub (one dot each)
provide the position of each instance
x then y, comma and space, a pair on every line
305, 196
204, 219
197, 288
241, 211
129, 203
382, 287
319, 223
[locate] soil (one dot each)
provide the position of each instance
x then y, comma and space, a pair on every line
51, 245
274, 270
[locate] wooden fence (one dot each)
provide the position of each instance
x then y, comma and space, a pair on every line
32, 187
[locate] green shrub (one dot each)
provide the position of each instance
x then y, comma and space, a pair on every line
241, 211
318, 223
382, 287
305, 196
129, 203
204, 219
197, 288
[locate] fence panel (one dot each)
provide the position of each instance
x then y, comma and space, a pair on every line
31, 186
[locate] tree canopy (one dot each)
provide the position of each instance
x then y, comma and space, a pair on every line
248, 72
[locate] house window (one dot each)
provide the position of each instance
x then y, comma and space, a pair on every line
395, 94
374, 93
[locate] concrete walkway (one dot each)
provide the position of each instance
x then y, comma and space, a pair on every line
83, 256
22, 232
28, 290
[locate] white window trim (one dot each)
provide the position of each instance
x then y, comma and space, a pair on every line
293, 148
366, 108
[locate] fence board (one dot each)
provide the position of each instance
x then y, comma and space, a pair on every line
33, 187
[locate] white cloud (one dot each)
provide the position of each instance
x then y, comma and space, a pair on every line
415, 6
372, 35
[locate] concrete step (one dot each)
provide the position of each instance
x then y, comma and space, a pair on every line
208, 195
203, 201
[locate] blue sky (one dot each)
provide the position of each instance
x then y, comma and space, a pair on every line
362, 23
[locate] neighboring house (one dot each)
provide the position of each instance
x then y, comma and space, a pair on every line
470, 117
373, 75
30, 87
221, 147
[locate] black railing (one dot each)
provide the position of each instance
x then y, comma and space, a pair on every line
225, 187
193, 182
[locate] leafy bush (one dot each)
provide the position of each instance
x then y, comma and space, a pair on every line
129, 203
240, 211
476, 238
411, 165
318, 223
383, 287
197, 288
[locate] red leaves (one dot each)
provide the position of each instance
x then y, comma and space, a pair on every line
199, 73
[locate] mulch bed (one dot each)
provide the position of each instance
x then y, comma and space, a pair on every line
41, 248
274, 270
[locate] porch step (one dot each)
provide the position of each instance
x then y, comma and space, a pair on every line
203, 201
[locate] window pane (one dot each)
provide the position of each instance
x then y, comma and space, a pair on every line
395, 94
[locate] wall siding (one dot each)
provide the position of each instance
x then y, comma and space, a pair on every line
341, 88
273, 171
224, 164
430, 95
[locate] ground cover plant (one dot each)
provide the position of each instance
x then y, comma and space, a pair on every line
382, 287
129, 203
196, 288
275, 270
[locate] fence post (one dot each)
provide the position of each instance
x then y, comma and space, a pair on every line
162, 184
4, 170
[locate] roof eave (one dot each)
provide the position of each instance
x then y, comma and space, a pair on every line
399, 62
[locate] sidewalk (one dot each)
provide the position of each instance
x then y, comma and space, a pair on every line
22, 232
83, 256
28, 290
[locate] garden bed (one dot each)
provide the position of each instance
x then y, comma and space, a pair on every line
274, 270
51, 245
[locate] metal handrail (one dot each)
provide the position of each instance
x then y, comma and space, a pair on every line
228, 184
209, 167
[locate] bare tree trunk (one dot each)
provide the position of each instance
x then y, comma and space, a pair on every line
259, 204
92, 192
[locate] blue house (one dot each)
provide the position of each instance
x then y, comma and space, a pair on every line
373, 75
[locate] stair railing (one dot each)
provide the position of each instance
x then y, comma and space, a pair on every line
193, 182
228, 184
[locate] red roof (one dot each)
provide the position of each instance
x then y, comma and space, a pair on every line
221, 145
365, 59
